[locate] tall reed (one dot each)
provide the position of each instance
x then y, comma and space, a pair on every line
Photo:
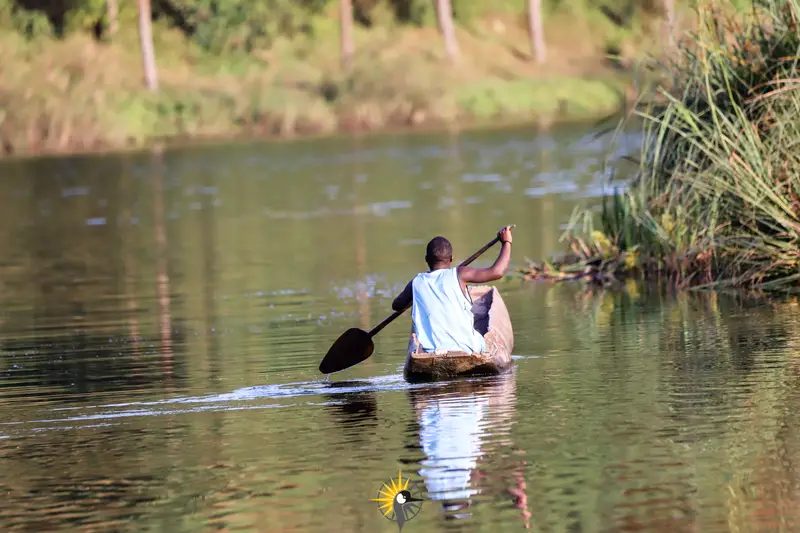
716, 196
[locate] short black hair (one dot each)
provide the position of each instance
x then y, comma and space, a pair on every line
439, 250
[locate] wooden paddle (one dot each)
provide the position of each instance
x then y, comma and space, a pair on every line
355, 345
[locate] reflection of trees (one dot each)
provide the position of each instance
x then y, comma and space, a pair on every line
68, 498
210, 279
162, 277
71, 275
451, 173
360, 239
673, 397
78, 363
128, 235
70, 237
547, 210
763, 492
689, 332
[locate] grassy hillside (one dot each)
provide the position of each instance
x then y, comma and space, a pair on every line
75, 91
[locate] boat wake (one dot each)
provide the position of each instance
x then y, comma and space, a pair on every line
257, 397
242, 399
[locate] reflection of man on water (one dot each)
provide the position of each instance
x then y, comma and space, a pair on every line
454, 422
450, 437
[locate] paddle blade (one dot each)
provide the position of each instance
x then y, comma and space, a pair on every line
354, 346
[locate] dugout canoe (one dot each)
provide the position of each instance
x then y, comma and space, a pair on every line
491, 321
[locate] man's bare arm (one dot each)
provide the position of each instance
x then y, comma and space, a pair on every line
494, 272
497, 270
403, 299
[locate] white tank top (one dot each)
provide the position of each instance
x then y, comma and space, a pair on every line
442, 314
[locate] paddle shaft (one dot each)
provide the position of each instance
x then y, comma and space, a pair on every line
388, 320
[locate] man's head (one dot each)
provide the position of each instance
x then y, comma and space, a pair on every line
439, 253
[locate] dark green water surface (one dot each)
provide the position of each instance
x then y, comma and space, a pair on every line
163, 317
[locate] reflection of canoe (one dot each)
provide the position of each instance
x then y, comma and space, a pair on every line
491, 321
498, 393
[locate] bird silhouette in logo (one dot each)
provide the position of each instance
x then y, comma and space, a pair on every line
397, 502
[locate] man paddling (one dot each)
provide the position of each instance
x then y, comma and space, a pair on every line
441, 305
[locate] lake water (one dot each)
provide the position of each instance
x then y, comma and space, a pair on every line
163, 318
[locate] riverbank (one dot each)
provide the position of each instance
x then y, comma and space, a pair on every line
716, 198
78, 94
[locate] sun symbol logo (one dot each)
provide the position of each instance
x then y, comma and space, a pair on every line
397, 500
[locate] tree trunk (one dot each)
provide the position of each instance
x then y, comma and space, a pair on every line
346, 29
536, 30
146, 43
669, 26
113, 11
444, 12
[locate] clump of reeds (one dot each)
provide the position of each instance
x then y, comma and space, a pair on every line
716, 198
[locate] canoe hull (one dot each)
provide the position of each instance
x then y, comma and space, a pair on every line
492, 321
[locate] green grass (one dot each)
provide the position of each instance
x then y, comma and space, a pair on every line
540, 98
716, 198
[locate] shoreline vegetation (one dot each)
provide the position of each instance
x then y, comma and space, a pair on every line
106, 75
715, 200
